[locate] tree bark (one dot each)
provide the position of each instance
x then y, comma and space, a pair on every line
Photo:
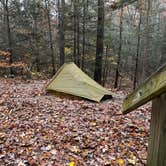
50, 36
99, 42
105, 67
120, 49
163, 46
138, 51
75, 32
83, 35
78, 36
9, 38
146, 41
61, 7
35, 36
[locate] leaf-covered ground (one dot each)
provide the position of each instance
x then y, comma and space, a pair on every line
40, 129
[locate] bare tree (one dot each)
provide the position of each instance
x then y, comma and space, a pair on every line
120, 49
138, 51
47, 5
78, 34
61, 9
99, 42
83, 35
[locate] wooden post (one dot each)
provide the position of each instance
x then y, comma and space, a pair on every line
154, 88
157, 140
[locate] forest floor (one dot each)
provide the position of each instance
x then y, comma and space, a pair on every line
40, 129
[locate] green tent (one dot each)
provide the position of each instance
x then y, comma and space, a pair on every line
72, 80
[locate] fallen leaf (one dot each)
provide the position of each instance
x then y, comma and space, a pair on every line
72, 163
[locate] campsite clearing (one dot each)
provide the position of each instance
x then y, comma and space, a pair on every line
42, 129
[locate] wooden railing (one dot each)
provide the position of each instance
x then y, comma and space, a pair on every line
154, 88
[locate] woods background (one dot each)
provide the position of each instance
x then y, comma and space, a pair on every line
117, 45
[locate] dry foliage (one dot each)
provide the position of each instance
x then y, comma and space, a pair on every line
4, 53
16, 64
40, 129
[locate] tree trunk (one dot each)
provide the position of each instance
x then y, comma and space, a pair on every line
120, 49
83, 35
36, 44
163, 47
105, 68
50, 36
146, 41
61, 6
75, 32
138, 51
78, 37
35, 36
9, 37
99, 42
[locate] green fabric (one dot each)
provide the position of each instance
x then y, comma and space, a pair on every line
72, 80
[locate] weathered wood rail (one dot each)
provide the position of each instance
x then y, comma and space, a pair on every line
154, 88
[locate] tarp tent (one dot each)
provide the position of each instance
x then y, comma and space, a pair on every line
72, 80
